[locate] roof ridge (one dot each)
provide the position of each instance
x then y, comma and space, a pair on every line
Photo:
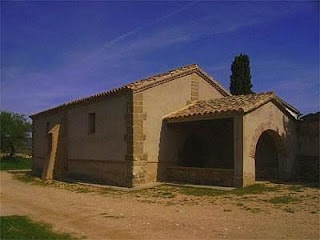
181, 109
216, 83
244, 103
141, 85
185, 67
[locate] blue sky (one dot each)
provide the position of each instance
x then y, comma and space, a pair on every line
53, 52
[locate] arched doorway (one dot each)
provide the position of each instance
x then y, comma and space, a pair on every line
192, 153
267, 155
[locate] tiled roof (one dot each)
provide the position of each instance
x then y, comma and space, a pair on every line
146, 83
240, 103
155, 80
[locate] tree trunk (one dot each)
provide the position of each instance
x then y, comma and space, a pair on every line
12, 150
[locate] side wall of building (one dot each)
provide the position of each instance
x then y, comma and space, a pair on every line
308, 157
155, 105
40, 139
99, 157
268, 117
96, 157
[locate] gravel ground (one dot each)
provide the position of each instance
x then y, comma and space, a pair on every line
165, 212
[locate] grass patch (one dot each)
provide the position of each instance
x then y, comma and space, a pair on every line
170, 192
14, 163
155, 192
201, 191
254, 189
27, 178
21, 227
82, 190
163, 194
31, 179
283, 200
296, 188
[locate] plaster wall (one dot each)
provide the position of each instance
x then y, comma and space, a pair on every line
96, 157
108, 143
268, 117
41, 126
206, 91
101, 156
156, 105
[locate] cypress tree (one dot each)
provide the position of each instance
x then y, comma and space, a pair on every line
240, 79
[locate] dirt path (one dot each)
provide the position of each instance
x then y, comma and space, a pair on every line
125, 216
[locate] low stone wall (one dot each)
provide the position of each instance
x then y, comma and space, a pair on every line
205, 176
103, 172
308, 168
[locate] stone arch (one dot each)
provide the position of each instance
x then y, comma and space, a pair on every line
266, 130
280, 143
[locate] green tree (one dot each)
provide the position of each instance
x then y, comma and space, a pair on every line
13, 129
240, 79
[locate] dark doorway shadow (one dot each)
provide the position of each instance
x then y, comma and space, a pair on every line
192, 153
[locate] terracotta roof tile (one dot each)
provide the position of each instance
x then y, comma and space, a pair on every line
241, 103
146, 83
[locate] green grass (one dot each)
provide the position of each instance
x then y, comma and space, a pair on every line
163, 191
30, 179
283, 200
254, 189
163, 194
21, 227
296, 188
14, 163
201, 191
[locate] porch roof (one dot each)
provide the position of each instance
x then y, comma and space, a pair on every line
229, 105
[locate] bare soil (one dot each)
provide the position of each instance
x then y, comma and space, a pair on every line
165, 212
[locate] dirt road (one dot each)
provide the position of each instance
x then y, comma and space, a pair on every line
126, 216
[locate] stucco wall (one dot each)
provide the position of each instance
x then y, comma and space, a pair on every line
108, 143
206, 91
268, 117
98, 157
40, 139
162, 100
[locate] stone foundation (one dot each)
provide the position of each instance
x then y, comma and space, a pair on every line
103, 172
204, 176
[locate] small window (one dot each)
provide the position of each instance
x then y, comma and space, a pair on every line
92, 123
